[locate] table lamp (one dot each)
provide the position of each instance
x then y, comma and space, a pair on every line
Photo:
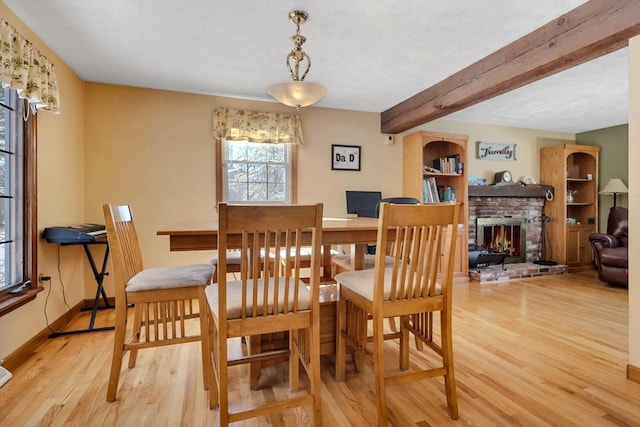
614, 186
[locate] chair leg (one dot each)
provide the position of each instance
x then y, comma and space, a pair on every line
341, 312
254, 346
116, 359
212, 357
392, 324
447, 360
378, 369
137, 327
294, 361
403, 358
223, 379
316, 381
207, 368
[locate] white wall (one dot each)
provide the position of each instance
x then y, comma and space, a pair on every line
634, 202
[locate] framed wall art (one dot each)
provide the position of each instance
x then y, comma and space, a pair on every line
345, 157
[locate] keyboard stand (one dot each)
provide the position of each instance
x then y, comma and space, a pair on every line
100, 292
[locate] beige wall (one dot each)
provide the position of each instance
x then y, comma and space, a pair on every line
61, 192
634, 201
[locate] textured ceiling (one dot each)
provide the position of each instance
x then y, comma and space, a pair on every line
371, 54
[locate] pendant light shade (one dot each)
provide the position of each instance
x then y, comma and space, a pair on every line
297, 93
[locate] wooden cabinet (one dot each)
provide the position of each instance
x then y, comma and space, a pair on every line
572, 170
579, 250
422, 151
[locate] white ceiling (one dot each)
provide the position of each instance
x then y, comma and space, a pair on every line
371, 54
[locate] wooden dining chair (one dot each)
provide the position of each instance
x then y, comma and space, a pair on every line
162, 298
416, 286
342, 263
262, 302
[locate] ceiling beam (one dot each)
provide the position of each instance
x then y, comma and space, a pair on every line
593, 29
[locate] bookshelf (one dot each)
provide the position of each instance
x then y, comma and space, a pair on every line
434, 170
573, 172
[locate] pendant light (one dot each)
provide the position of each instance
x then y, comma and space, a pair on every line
297, 93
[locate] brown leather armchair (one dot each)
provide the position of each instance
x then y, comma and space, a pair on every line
611, 249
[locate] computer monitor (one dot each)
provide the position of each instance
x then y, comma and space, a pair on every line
363, 203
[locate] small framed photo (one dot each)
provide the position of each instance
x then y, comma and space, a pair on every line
345, 157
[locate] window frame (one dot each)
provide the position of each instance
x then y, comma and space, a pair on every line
8, 300
220, 176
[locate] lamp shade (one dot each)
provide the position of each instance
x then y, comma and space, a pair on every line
297, 93
614, 186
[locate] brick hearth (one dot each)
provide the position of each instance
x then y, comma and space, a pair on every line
495, 273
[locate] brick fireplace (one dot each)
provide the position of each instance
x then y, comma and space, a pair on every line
509, 204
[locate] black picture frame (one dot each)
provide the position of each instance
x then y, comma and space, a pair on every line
345, 157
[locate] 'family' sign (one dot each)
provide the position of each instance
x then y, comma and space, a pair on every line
495, 151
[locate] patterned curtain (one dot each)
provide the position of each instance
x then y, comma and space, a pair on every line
257, 126
25, 69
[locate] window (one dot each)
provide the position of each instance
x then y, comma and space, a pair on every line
17, 197
250, 172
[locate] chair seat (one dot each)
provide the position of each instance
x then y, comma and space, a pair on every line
171, 277
234, 258
305, 253
361, 282
234, 297
344, 261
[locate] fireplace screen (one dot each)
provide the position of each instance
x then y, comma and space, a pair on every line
503, 235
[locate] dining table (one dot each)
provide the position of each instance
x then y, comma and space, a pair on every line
203, 235
356, 231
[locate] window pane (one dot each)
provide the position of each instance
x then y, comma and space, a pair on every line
237, 172
277, 192
277, 174
258, 173
4, 113
237, 192
258, 192
4, 174
237, 150
277, 153
259, 152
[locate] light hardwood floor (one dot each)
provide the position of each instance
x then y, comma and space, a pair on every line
546, 351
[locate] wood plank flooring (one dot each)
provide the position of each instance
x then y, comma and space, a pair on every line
545, 351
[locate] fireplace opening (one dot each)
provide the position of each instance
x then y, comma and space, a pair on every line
503, 235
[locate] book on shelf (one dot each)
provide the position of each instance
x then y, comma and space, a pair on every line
433, 190
450, 164
447, 194
430, 191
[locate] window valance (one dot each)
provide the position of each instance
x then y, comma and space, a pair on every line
25, 69
257, 126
